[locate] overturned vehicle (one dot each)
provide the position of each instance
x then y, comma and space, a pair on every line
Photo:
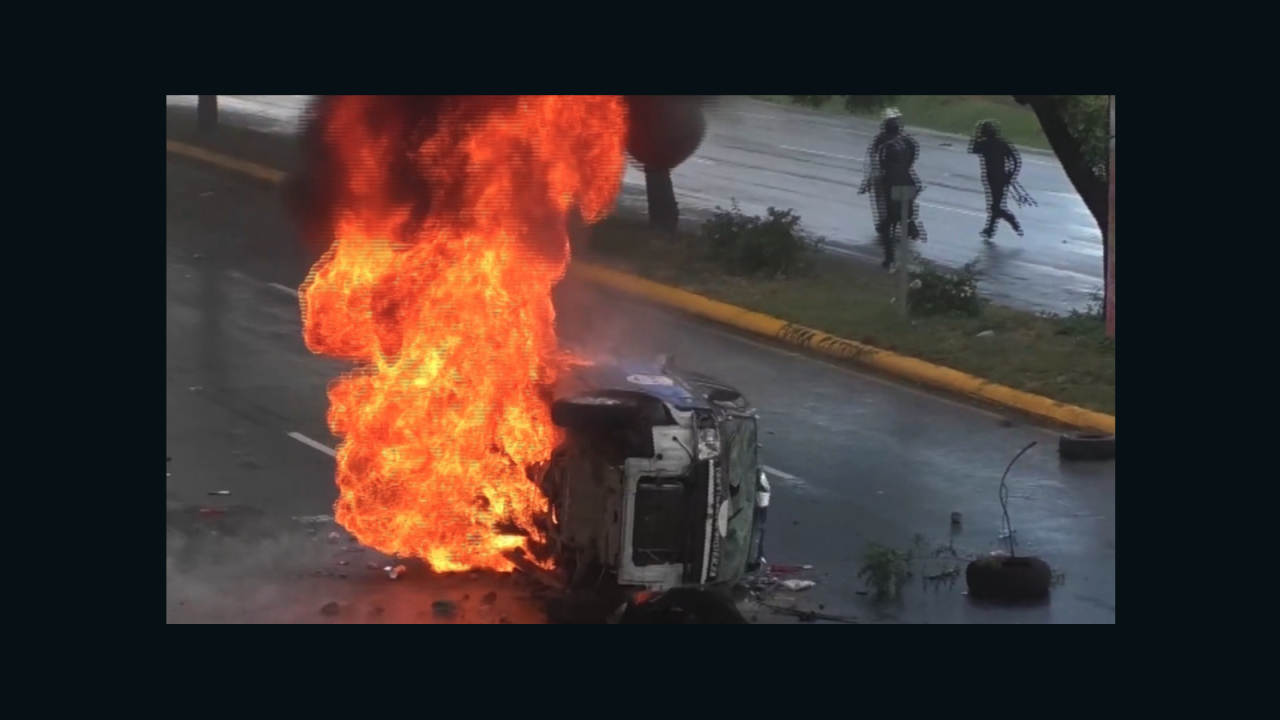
658, 484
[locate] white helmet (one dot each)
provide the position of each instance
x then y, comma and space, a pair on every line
890, 113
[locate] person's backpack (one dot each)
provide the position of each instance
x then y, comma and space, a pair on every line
896, 156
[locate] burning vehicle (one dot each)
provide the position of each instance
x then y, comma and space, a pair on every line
658, 482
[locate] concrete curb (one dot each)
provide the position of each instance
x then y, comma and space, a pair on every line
891, 363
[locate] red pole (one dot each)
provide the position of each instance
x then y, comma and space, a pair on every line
1111, 226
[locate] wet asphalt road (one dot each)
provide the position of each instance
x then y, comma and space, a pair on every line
853, 459
762, 154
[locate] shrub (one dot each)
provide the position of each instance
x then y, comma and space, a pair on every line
750, 245
935, 290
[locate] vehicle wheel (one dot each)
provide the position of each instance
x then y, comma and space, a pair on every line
1008, 579
1087, 446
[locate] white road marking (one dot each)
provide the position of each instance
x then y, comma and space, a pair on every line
779, 473
314, 519
283, 288
953, 209
819, 152
313, 444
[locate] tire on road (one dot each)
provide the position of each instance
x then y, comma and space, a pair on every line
1087, 446
1008, 579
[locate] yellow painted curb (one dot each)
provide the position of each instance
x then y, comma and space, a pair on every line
245, 167
888, 362
892, 363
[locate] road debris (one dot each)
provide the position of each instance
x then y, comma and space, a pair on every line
341, 562
787, 569
219, 492
810, 615
372, 565
797, 585
331, 608
335, 536
986, 333
394, 572
488, 598
444, 608
212, 511
956, 517
195, 388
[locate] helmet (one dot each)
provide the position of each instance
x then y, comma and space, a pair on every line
890, 113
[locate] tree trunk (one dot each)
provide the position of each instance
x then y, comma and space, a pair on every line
1093, 190
664, 213
206, 112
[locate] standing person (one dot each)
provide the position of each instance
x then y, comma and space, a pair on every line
872, 166
892, 163
1000, 165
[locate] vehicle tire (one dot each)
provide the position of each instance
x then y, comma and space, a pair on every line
1008, 579
1087, 446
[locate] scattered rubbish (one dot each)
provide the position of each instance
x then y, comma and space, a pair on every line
168, 459
444, 608
986, 333
219, 492
334, 536
394, 572
785, 569
945, 144
956, 517
198, 256
489, 598
1006, 422
1007, 533
168, 474
810, 615
330, 609
372, 565
206, 193
342, 576
212, 511
797, 585
341, 562
195, 388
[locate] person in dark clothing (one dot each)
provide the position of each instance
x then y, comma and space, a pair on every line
891, 162
1000, 165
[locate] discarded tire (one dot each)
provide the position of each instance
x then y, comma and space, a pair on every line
1086, 446
1008, 579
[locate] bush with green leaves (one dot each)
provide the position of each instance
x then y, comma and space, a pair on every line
775, 244
935, 290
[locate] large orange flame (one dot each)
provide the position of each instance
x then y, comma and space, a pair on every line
450, 316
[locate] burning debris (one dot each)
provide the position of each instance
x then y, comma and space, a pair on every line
447, 222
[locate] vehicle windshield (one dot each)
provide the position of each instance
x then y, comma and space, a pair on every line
740, 442
742, 466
